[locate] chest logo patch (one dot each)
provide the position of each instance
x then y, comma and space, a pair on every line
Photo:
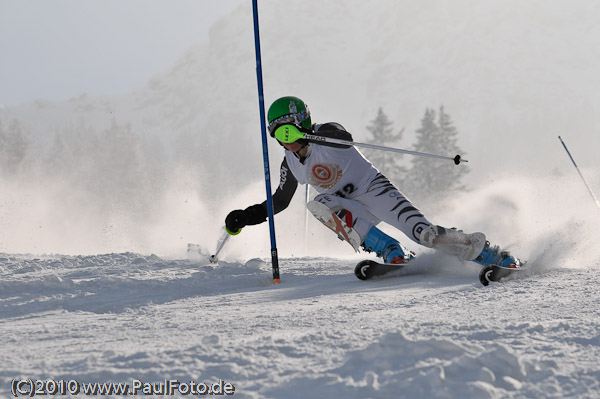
325, 175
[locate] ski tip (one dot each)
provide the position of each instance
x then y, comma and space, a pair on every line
276, 281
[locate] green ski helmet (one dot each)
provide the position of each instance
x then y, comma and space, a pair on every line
288, 110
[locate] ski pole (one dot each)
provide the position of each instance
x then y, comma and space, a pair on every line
290, 134
221, 243
306, 199
579, 171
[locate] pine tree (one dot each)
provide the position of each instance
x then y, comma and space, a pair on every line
431, 180
382, 132
449, 139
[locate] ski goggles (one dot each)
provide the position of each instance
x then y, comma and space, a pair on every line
290, 119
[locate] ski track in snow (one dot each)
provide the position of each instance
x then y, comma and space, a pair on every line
432, 332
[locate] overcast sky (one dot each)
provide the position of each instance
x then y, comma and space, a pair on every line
55, 49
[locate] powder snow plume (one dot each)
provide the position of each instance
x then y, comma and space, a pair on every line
545, 220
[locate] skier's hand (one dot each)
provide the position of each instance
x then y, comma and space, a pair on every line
236, 220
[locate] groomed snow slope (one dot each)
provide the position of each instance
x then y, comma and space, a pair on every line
433, 331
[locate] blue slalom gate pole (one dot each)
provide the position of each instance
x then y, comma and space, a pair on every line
263, 127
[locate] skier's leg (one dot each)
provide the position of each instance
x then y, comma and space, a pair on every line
363, 222
388, 204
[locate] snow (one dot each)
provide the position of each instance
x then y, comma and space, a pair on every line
432, 331
95, 284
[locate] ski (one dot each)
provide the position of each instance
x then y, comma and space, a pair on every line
367, 269
494, 273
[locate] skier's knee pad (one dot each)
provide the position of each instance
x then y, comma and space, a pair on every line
331, 201
336, 207
428, 235
346, 209
432, 235
453, 241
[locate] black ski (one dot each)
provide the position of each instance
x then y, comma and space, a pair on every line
494, 273
368, 269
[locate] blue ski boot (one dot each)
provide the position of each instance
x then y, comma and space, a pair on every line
494, 256
386, 247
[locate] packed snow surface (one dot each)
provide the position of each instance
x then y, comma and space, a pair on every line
430, 331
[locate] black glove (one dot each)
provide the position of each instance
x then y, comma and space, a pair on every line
236, 220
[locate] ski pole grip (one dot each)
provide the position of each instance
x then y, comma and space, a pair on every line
232, 233
457, 160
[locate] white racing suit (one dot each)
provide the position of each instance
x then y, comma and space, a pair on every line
345, 179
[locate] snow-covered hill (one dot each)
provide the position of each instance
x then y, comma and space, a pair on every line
513, 75
431, 332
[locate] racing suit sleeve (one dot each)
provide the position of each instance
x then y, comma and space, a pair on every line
282, 197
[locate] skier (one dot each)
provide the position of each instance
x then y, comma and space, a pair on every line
354, 192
